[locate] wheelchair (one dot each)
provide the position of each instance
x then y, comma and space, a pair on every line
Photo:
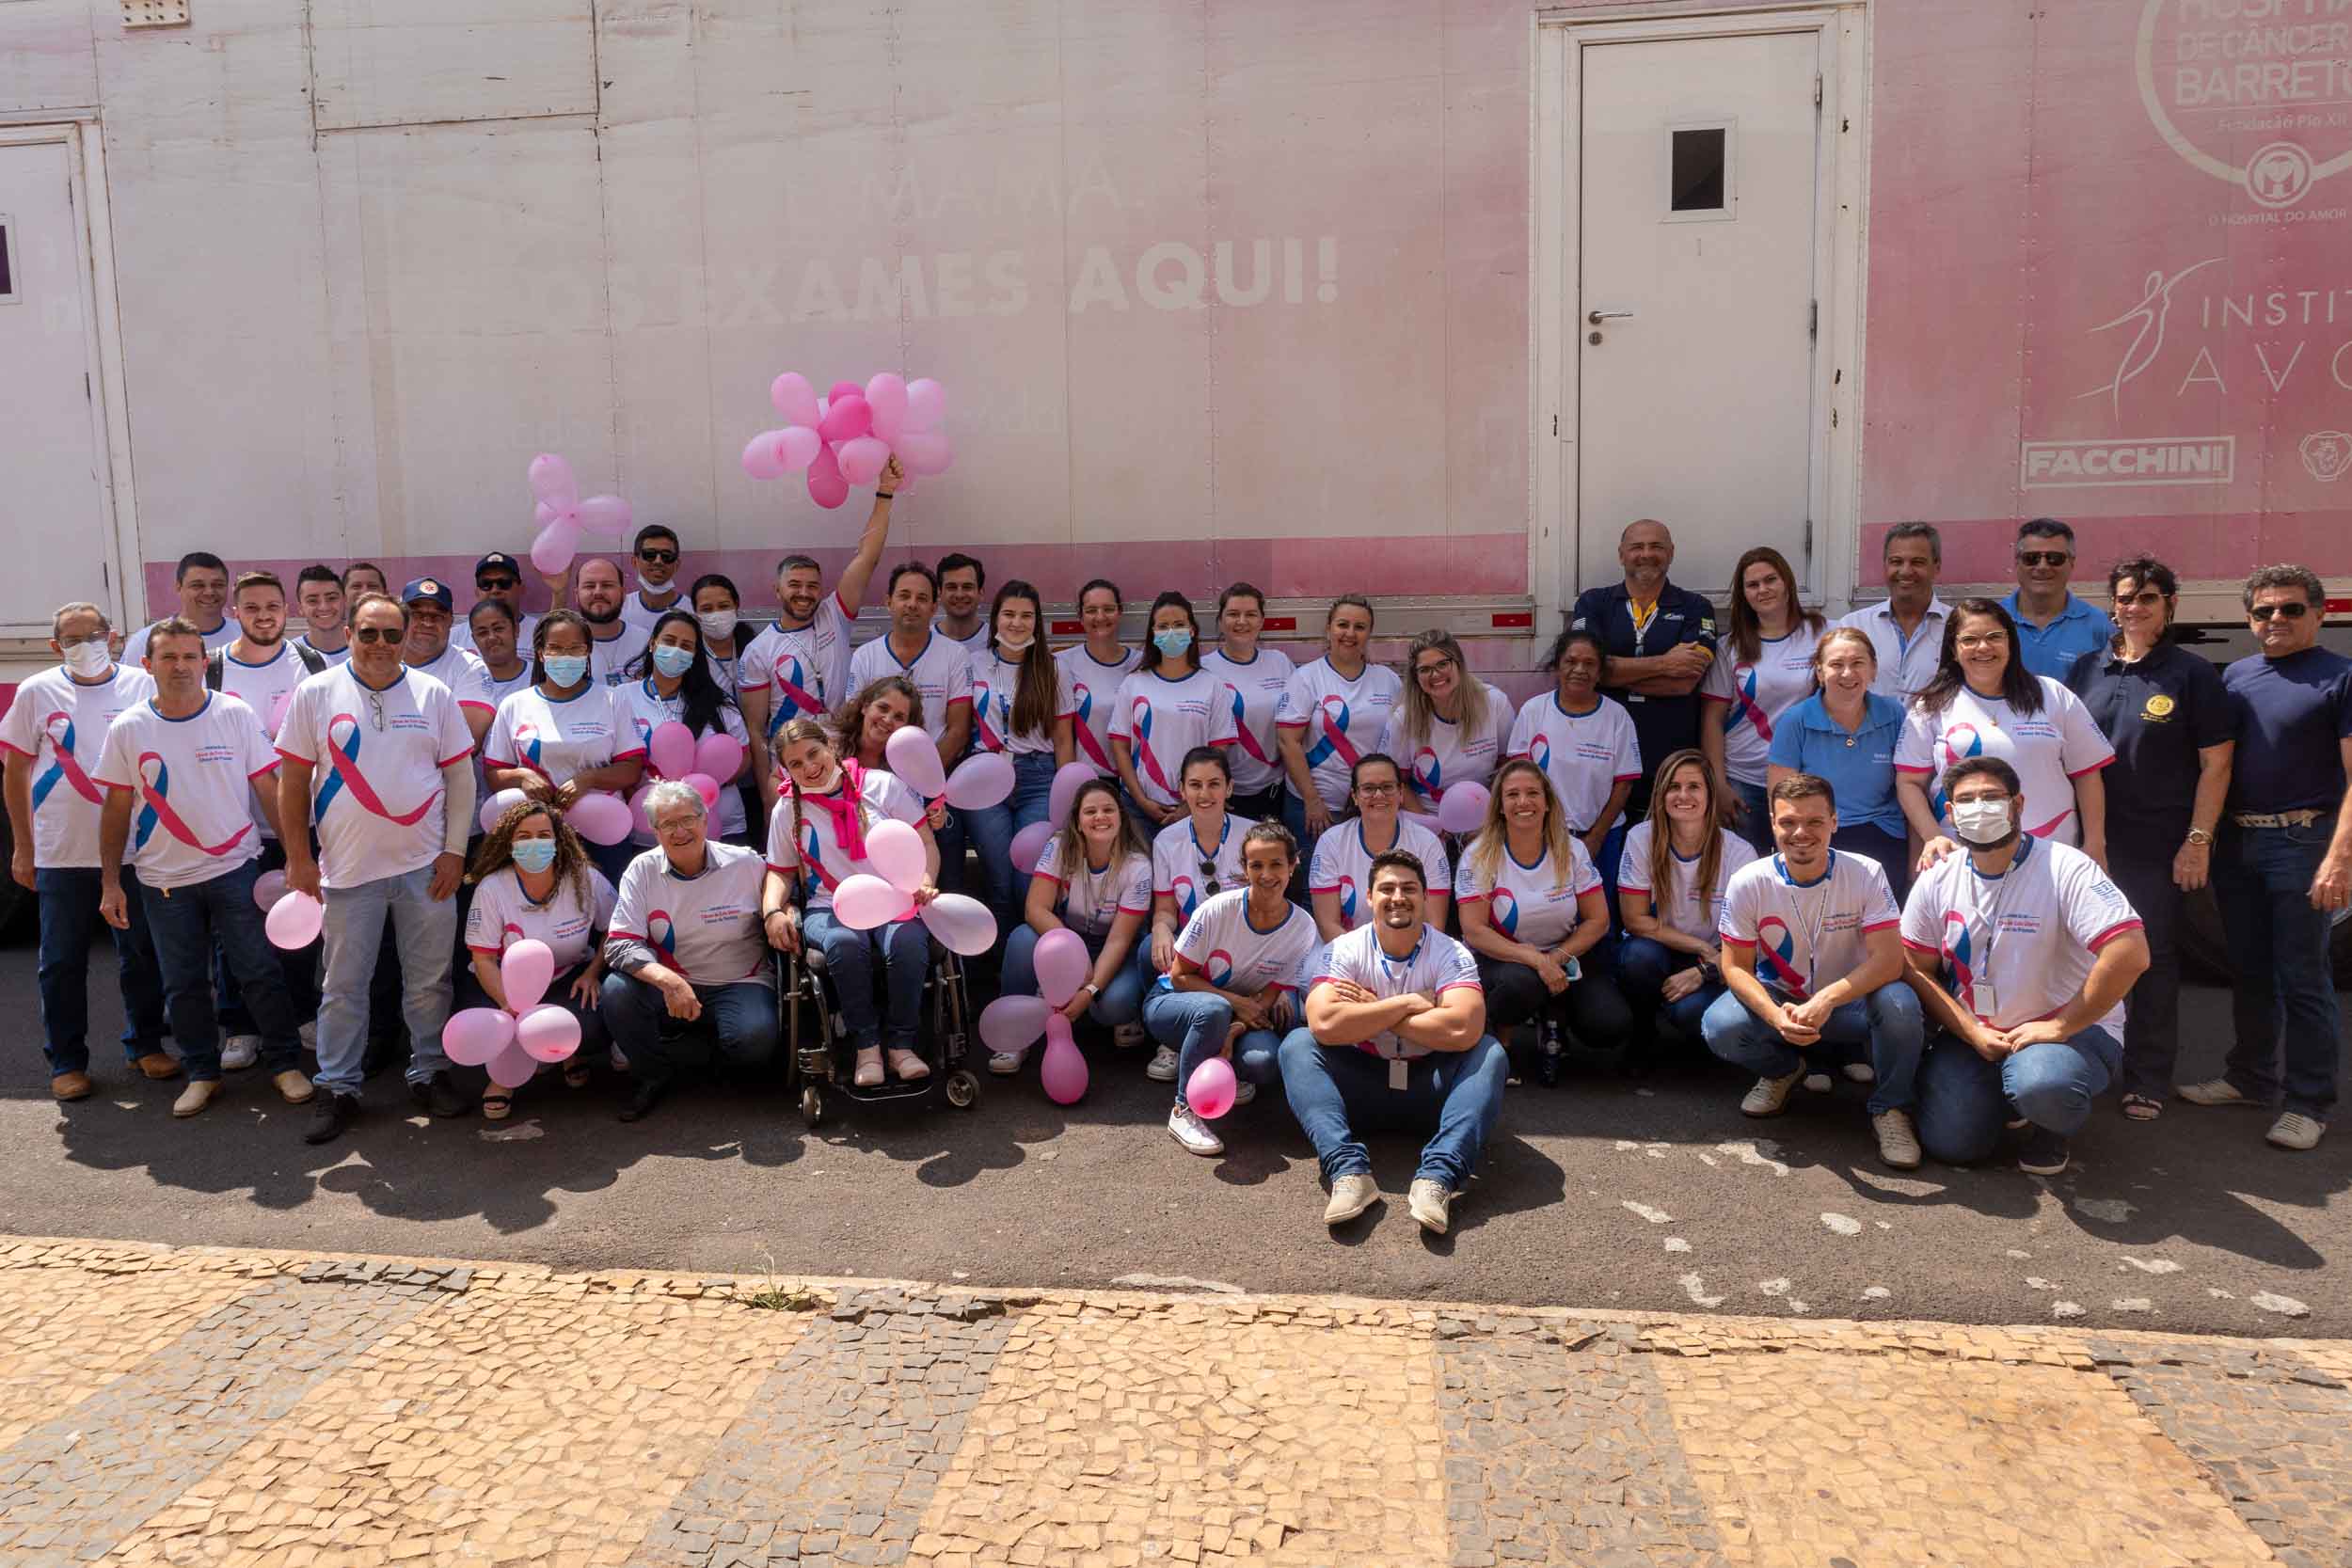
817, 1036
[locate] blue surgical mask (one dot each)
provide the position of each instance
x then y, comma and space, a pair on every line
566, 669
672, 661
534, 854
1172, 642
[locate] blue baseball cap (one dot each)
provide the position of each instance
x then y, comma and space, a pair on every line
427, 589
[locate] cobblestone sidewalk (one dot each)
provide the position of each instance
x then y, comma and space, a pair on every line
194, 1406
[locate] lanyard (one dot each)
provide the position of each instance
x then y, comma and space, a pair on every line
1990, 906
1812, 924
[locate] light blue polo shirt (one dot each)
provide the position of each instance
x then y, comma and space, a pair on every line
2074, 631
1859, 767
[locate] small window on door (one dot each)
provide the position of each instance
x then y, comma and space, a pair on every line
1699, 169
8, 260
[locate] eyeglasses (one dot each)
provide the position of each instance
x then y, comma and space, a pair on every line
2292, 610
1209, 883
1375, 791
658, 558
1433, 667
495, 585
378, 634
2147, 598
1983, 640
2043, 558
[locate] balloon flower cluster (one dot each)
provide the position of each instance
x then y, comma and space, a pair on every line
865, 900
512, 1041
850, 434
290, 919
564, 517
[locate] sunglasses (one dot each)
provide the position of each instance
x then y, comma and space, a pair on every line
1209, 885
2043, 558
495, 585
379, 634
658, 558
2295, 611
2147, 598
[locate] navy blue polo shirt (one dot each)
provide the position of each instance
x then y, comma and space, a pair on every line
2158, 714
2292, 714
1662, 724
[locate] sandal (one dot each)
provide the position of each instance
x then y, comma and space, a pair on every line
497, 1105
2140, 1107
575, 1074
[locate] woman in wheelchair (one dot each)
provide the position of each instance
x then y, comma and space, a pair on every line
875, 712
816, 837
532, 883
1233, 990
1094, 877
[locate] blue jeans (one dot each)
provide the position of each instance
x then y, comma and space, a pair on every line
298, 968
68, 898
1642, 966
1755, 823
2285, 1000
423, 937
1964, 1100
1334, 1090
1196, 1023
737, 1025
1887, 1021
905, 950
1121, 1002
185, 921
991, 828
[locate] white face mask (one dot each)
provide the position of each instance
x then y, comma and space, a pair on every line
1013, 644
717, 624
1982, 822
88, 660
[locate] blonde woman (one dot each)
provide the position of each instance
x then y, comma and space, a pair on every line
1449, 727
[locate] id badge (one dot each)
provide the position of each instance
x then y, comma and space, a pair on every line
1988, 1001
1399, 1072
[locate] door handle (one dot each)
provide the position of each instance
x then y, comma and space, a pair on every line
1598, 317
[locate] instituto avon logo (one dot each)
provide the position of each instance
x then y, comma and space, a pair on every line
2215, 74
2326, 454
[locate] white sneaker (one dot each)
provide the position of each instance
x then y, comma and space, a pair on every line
1190, 1130
1004, 1064
1244, 1093
1163, 1067
310, 1033
1899, 1145
239, 1050
1817, 1082
2215, 1091
1771, 1095
1860, 1072
1430, 1202
2295, 1130
1128, 1036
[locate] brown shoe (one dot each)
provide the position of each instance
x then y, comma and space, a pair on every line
292, 1088
199, 1094
158, 1064
70, 1085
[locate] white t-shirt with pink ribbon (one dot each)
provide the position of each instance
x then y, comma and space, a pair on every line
559, 738
1534, 904
376, 756
2024, 941
267, 688
2049, 750
1451, 754
1757, 692
1091, 900
61, 725
1437, 964
1342, 864
1254, 691
1680, 906
996, 691
1094, 692
1807, 934
643, 710
502, 914
1343, 719
818, 854
191, 783
1235, 955
804, 670
941, 671
1183, 864
1161, 720
705, 926
1586, 755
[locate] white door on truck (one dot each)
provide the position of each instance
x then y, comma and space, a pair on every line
1696, 314
52, 498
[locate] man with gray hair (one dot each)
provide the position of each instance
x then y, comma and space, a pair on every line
688, 978
1907, 629
2285, 861
2054, 627
51, 739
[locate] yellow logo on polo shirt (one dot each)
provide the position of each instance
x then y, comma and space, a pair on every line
2160, 706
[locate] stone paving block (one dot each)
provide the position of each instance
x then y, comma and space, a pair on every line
829, 1456
65, 1333
1807, 1458
114, 1462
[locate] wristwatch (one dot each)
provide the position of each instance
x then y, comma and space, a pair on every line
2199, 835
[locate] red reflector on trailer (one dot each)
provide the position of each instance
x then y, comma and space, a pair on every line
1509, 618
1068, 628
1281, 622
2339, 607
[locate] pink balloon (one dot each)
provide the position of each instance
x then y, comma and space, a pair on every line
557, 542
887, 395
826, 487
915, 757
1462, 808
962, 924
1030, 842
498, 806
671, 749
293, 920
637, 817
1068, 781
551, 481
718, 754
1062, 965
794, 398
847, 419
798, 444
1211, 1092
926, 405
472, 1038
762, 456
1012, 1024
894, 851
525, 969
981, 780
862, 459
601, 818
542, 514
863, 901
841, 389
925, 452
550, 1033
512, 1068
268, 888
1064, 1071
706, 787
605, 514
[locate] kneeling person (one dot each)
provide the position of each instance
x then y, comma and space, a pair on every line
1395, 1034
1811, 956
2022, 950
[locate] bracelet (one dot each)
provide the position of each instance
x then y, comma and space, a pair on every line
2200, 836
886, 495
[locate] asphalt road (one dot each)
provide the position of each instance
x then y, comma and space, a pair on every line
1598, 1193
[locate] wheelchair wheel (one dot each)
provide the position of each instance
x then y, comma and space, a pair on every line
812, 1105
964, 1090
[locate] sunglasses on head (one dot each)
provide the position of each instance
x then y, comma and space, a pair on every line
658, 558
2043, 558
2294, 610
